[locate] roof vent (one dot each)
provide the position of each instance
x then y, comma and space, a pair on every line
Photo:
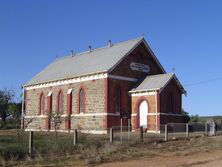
90, 48
110, 43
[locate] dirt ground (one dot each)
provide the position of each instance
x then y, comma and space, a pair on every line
193, 152
202, 152
201, 159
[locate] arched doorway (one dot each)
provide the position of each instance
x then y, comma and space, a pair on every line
143, 111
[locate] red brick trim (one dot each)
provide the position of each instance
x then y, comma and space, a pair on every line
170, 102
47, 123
69, 111
84, 99
39, 108
69, 103
49, 104
158, 121
137, 106
49, 110
121, 100
158, 101
60, 91
68, 123
158, 109
24, 105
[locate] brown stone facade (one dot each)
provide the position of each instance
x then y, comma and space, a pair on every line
94, 103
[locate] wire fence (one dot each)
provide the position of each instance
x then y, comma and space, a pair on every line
167, 131
44, 141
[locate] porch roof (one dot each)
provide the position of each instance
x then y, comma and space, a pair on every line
156, 82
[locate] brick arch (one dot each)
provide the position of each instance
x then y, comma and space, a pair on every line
138, 102
42, 95
82, 87
60, 92
69, 99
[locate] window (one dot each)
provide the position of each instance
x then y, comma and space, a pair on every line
170, 103
49, 97
81, 100
117, 99
69, 102
60, 102
42, 104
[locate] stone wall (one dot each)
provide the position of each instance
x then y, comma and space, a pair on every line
94, 103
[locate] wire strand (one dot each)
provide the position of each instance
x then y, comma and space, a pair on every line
203, 82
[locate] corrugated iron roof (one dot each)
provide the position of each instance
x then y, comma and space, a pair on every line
156, 82
98, 60
153, 82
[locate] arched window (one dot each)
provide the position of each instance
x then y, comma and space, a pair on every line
69, 102
60, 102
81, 100
42, 104
170, 103
117, 99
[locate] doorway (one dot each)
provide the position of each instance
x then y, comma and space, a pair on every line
143, 111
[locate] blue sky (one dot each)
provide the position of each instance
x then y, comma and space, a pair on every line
184, 34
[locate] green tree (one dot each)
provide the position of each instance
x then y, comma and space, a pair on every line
6, 97
186, 114
194, 118
15, 109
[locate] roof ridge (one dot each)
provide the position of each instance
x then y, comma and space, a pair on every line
99, 48
156, 75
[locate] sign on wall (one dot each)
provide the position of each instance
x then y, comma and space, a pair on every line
139, 67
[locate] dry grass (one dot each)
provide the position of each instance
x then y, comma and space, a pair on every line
93, 149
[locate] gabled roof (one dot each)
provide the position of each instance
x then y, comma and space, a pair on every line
157, 82
99, 60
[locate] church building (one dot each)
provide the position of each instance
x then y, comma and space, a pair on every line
100, 88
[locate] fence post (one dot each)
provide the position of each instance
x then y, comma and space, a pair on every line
206, 131
141, 133
214, 129
31, 142
166, 133
128, 129
75, 137
111, 135
187, 130
121, 130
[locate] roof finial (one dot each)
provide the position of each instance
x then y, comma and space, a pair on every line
142, 33
90, 48
173, 70
72, 53
110, 43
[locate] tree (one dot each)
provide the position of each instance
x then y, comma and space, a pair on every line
15, 109
186, 115
56, 119
194, 118
6, 97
